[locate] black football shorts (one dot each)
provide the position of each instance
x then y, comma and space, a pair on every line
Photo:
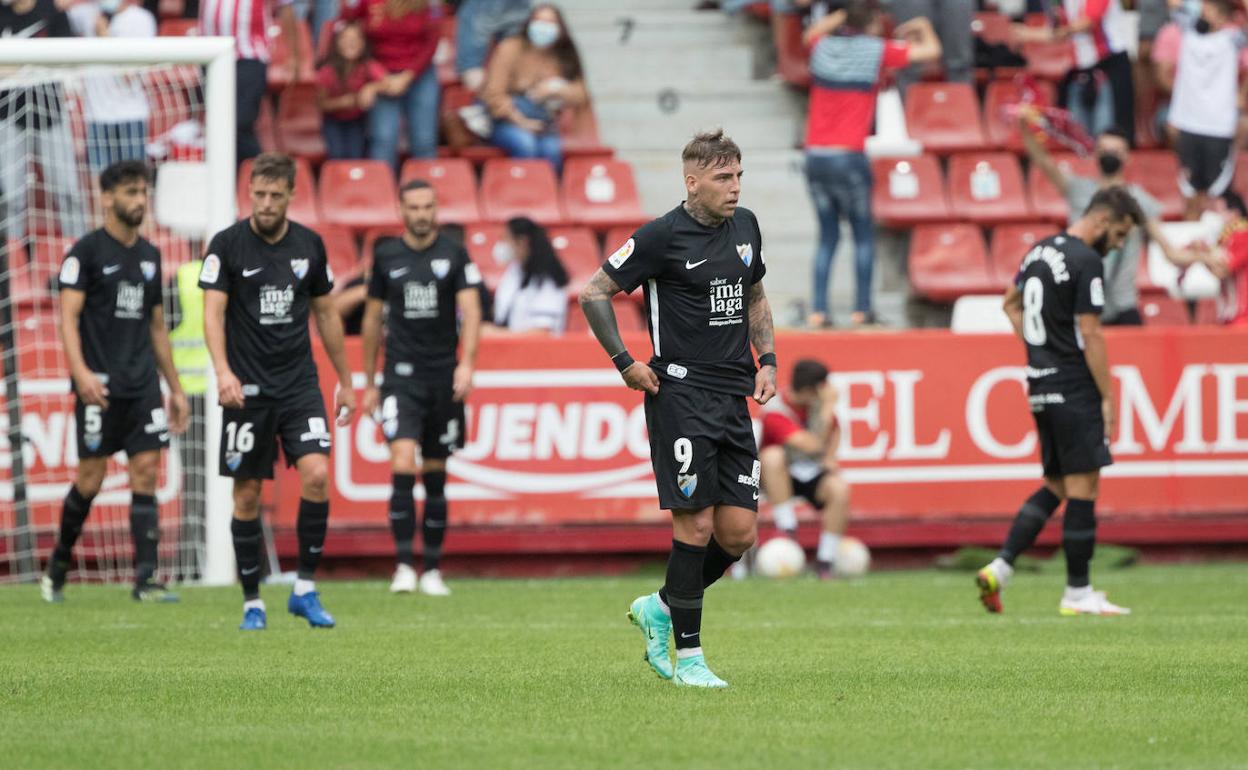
1071, 431
135, 425
250, 436
425, 412
702, 448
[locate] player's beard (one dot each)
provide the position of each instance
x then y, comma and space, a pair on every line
421, 228
131, 218
268, 231
1101, 245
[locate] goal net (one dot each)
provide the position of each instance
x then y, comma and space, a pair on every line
66, 114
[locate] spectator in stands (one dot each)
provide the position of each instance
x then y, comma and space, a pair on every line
1099, 91
1153, 15
346, 89
481, 24
847, 60
1231, 261
114, 104
531, 294
248, 22
952, 22
1113, 153
403, 37
33, 121
1205, 106
530, 81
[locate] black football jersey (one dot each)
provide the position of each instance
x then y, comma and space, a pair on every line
418, 289
122, 284
270, 288
1061, 278
696, 281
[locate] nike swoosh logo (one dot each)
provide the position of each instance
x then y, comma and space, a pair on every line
250, 571
755, 495
111, 269
691, 265
688, 636
314, 549
398, 273
251, 272
164, 437
31, 31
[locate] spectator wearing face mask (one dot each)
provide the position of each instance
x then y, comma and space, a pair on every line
1121, 265
115, 104
1205, 106
531, 296
530, 81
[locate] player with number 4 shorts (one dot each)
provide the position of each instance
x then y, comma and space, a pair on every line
1055, 308
262, 278
426, 289
113, 330
701, 268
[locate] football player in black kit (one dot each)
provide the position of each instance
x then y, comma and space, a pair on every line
420, 283
261, 278
1055, 307
113, 331
701, 268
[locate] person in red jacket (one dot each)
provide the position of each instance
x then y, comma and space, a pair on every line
1233, 267
346, 90
403, 36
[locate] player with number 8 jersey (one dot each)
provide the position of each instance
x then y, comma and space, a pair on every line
702, 268
1055, 308
262, 278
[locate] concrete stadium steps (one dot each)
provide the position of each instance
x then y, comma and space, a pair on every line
758, 116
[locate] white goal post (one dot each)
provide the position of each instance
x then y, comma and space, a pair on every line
217, 57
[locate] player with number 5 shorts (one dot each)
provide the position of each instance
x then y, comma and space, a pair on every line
262, 277
701, 269
1055, 307
113, 330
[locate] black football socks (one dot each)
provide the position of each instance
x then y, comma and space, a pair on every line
403, 516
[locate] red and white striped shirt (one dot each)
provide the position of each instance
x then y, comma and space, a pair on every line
247, 21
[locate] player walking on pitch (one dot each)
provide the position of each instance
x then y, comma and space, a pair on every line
419, 283
261, 278
113, 330
702, 267
1055, 307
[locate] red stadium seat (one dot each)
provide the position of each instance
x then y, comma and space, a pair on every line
1010, 243
482, 241
344, 260
264, 127
299, 124
601, 193
1157, 171
280, 74
948, 261
1206, 313
908, 191
1046, 202
1003, 132
303, 208
944, 117
616, 237
358, 194
178, 27
1164, 311
512, 187
792, 58
578, 251
987, 188
1050, 61
992, 27
454, 183
578, 130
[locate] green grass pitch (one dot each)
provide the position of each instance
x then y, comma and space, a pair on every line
902, 669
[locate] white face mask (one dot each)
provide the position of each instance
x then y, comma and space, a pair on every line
543, 34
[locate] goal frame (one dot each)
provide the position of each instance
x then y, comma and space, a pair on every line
217, 56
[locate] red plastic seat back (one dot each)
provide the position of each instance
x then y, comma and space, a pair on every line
987, 188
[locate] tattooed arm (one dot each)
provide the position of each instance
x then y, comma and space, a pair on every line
763, 338
595, 302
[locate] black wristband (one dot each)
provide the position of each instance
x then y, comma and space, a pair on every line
622, 360
767, 359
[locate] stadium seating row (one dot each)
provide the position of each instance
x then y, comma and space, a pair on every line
989, 188
359, 195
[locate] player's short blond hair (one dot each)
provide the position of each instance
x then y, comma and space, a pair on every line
711, 149
274, 166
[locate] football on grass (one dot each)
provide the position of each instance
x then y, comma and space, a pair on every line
852, 558
780, 557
